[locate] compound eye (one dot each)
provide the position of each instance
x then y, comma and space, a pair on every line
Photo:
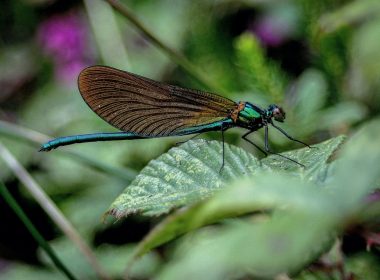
279, 114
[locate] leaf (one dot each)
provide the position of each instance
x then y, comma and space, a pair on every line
249, 195
311, 95
341, 115
306, 218
364, 264
190, 173
301, 228
113, 257
351, 13
357, 174
184, 175
363, 77
315, 159
245, 200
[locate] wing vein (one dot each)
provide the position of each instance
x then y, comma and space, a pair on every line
143, 106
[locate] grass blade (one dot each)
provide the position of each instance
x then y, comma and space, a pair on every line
171, 53
33, 231
51, 209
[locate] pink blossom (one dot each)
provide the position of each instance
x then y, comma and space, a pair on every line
64, 38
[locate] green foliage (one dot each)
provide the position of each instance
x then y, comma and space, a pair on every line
364, 264
305, 217
182, 176
113, 257
257, 217
246, 199
349, 14
312, 111
262, 75
191, 172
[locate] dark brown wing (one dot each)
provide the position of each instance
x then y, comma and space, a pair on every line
136, 104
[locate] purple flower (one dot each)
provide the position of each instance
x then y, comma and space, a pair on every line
273, 31
64, 38
268, 32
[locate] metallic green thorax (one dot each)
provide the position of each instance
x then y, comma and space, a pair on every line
249, 113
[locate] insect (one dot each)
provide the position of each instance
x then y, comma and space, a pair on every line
143, 108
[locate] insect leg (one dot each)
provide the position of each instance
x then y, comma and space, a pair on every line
267, 149
288, 136
249, 141
221, 168
274, 153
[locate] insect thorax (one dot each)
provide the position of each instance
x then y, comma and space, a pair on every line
250, 113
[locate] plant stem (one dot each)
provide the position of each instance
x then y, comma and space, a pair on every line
51, 209
33, 231
171, 53
107, 36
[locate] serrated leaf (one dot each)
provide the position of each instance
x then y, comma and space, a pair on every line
184, 175
302, 226
191, 173
245, 200
315, 159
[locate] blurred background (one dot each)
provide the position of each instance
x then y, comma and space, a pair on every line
320, 60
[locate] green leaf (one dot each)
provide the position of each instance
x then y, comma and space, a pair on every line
351, 13
184, 175
191, 173
113, 257
341, 115
245, 200
299, 231
357, 174
306, 218
365, 265
311, 95
249, 195
316, 160
363, 77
